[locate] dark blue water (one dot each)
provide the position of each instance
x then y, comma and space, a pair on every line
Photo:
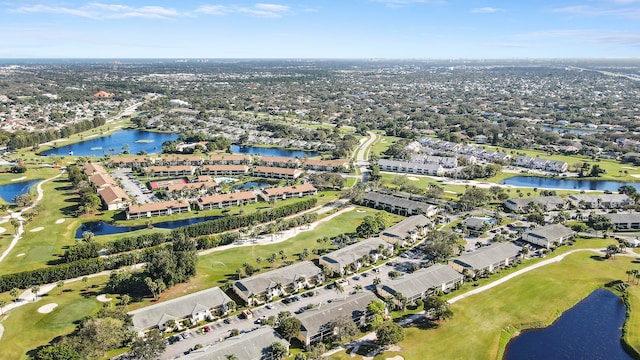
252, 185
589, 330
9, 192
102, 228
271, 151
113, 144
100, 146
572, 184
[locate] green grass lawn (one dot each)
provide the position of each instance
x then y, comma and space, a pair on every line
483, 323
382, 144
219, 267
26, 329
40, 247
614, 169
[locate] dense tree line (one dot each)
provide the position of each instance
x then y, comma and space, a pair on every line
51, 274
23, 139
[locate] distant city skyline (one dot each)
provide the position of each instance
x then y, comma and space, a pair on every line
391, 29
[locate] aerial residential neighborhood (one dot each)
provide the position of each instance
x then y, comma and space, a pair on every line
374, 180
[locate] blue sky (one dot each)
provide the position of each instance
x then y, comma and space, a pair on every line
320, 29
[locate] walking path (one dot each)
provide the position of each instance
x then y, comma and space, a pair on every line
285, 235
18, 216
372, 335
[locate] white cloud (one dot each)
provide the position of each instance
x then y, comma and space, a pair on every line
485, 10
629, 12
213, 10
101, 11
104, 11
265, 10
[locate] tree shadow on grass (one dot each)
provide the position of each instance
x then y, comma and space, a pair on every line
423, 323
597, 257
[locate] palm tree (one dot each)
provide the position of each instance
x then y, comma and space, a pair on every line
629, 273
2, 304
231, 357
339, 288
14, 293
125, 300
377, 281
34, 290
85, 280
60, 285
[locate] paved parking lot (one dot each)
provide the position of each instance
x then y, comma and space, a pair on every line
132, 186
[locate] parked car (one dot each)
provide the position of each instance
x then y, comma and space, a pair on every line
206, 328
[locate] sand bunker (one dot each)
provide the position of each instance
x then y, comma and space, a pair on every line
413, 178
45, 309
103, 298
21, 255
60, 221
20, 178
397, 357
37, 229
2, 229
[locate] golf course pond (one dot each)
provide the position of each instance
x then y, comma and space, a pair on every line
568, 184
9, 192
103, 228
589, 330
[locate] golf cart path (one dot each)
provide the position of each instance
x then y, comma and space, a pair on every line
18, 216
520, 272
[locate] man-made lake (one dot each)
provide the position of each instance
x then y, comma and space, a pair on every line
9, 192
271, 151
571, 184
102, 228
136, 140
151, 142
563, 130
589, 330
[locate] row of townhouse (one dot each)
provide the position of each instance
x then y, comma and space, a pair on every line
398, 205
341, 165
549, 236
411, 167
159, 208
352, 257
286, 280
580, 201
226, 170
457, 149
220, 201
445, 161
200, 306
600, 201
421, 283
486, 259
253, 345
542, 164
112, 196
